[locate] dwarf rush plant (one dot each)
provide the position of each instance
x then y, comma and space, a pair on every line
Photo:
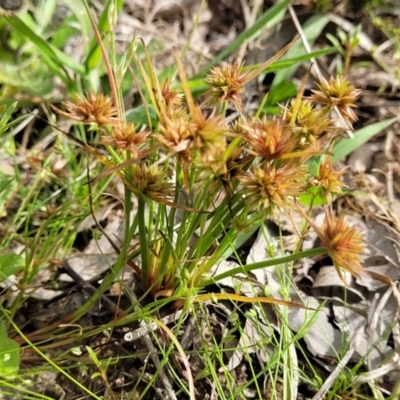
168, 205
202, 179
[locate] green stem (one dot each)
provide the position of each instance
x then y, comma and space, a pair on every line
266, 263
144, 249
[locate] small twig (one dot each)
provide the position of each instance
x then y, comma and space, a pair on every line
389, 184
187, 338
151, 327
392, 364
156, 361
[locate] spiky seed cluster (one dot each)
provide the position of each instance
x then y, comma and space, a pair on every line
124, 137
222, 166
95, 108
345, 244
150, 181
209, 135
309, 122
190, 138
173, 98
328, 180
268, 138
262, 159
338, 92
226, 82
269, 189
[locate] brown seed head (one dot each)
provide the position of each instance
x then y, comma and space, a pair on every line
221, 167
269, 138
270, 189
183, 135
150, 181
173, 98
210, 133
338, 93
95, 108
345, 244
123, 136
226, 83
176, 136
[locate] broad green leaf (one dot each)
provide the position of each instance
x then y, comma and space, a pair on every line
345, 146
266, 20
138, 115
61, 36
53, 56
286, 90
308, 199
10, 264
9, 354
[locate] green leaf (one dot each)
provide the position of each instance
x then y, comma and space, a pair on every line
7, 187
6, 115
266, 20
138, 115
308, 199
94, 54
55, 58
312, 29
9, 354
289, 62
10, 264
85, 25
345, 146
45, 14
93, 356
286, 91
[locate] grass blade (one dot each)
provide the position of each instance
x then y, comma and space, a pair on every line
95, 54
262, 22
48, 52
345, 146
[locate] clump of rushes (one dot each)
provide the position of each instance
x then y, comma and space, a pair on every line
221, 174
